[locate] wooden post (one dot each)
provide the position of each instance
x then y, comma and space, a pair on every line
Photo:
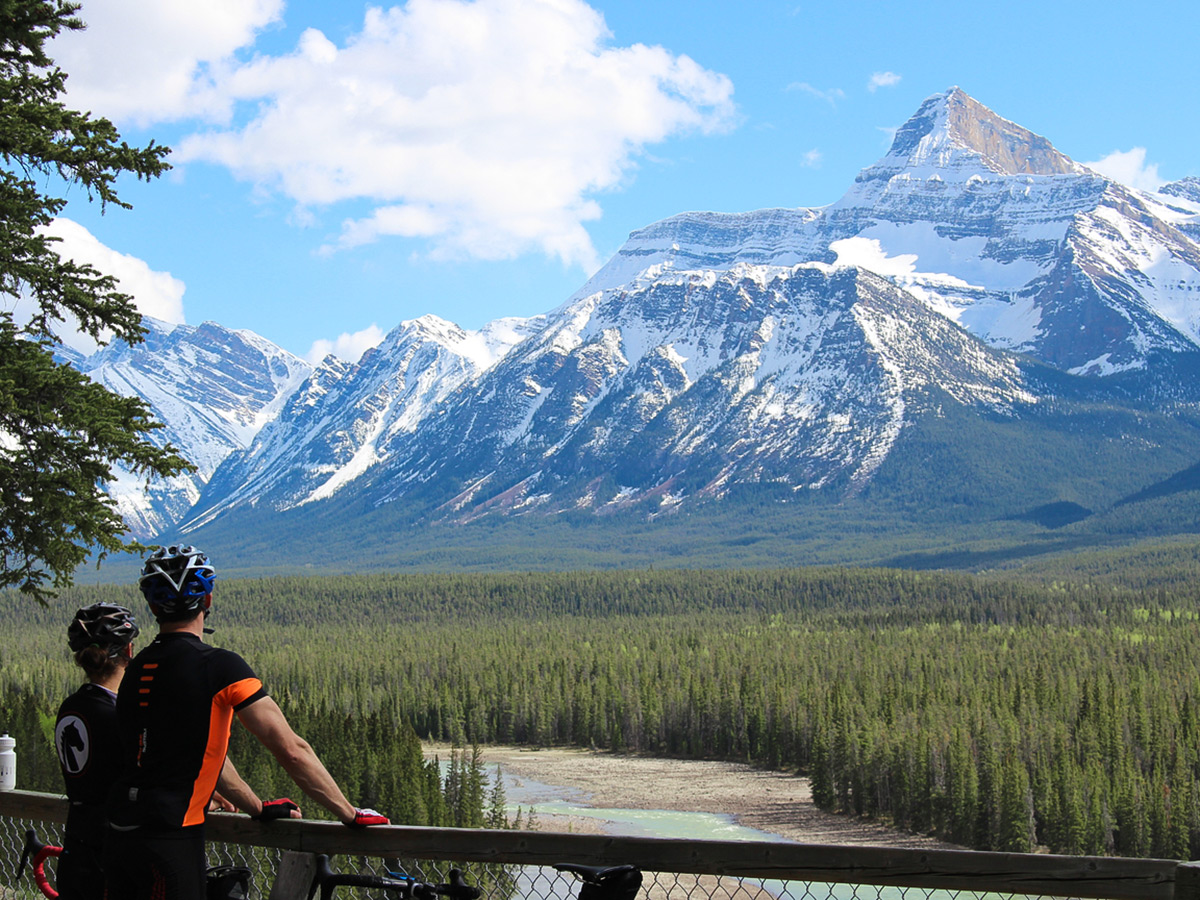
1187, 881
295, 875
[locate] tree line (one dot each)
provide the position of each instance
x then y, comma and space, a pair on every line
997, 715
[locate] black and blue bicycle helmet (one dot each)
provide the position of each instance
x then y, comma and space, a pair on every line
176, 582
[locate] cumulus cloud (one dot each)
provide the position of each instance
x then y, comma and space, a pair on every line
349, 347
157, 294
484, 127
146, 61
882, 79
811, 159
870, 254
1130, 168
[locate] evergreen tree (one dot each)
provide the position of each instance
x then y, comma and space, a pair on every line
1016, 808
61, 433
497, 814
948, 706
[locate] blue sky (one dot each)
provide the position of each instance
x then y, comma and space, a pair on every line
341, 168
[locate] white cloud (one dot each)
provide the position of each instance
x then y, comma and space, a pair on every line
870, 254
157, 294
831, 96
882, 79
485, 127
811, 159
349, 347
1130, 168
149, 61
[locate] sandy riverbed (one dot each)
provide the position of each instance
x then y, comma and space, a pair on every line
769, 801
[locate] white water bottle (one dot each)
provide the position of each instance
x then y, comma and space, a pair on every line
8, 762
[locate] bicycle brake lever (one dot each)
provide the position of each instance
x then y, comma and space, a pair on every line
28, 850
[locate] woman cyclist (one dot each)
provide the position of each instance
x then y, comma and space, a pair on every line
85, 737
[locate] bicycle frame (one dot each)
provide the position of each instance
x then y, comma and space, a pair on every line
403, 886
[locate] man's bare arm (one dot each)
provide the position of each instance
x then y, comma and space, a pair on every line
234, 789
265, 720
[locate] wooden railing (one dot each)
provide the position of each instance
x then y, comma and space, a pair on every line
1116, 878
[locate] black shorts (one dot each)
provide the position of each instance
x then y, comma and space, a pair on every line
155, 865
78, 875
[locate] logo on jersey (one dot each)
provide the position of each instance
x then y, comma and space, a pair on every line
73, 743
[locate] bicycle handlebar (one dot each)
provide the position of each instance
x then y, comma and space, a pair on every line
411, 889
39, 852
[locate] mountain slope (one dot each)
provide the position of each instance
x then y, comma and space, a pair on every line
973, 275
681, 386
211, 387
992, 227
345, 419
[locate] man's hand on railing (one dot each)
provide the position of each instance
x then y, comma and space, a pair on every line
219, 803
364, 817
282, 808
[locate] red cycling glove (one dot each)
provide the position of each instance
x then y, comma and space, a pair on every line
276, 809
365, 817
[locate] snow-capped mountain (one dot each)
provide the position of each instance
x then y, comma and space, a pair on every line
687, 382
344, 420
989, 225
1186, 216
974, 266
211, 388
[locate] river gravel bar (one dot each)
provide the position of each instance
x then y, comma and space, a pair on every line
774, 802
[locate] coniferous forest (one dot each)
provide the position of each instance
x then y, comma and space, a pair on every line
999, 715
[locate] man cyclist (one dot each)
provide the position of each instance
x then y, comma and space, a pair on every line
85, 738
175, 709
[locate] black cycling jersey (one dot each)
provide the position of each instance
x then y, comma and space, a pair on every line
85, 737
175, 708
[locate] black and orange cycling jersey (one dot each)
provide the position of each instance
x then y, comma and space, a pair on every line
175, 708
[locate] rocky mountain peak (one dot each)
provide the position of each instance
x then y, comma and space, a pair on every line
1187, 188
952, 124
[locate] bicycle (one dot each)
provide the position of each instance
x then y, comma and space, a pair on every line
620, 882
37, 852
605, 882
403, 886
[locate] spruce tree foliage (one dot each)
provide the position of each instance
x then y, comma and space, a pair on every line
60, 433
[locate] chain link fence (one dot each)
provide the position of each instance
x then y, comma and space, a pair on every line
12, 844
498, 881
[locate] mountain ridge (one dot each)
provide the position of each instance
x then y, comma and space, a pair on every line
790, 353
